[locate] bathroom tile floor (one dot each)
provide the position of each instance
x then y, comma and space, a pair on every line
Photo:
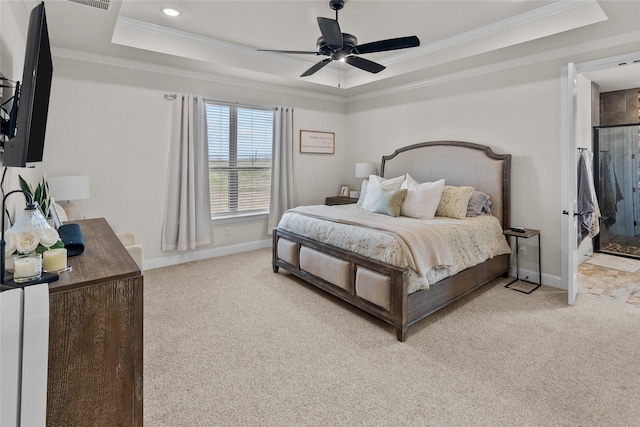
615, 285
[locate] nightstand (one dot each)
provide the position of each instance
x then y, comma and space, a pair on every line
528, 232
340, 200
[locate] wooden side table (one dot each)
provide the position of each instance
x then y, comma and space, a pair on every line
528, 232
340, 200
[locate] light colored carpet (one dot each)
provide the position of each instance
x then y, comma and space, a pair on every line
615, 262
230, 343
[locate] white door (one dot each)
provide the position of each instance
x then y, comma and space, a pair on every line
568, 182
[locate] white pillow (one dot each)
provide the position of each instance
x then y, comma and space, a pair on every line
374, 189
421, 200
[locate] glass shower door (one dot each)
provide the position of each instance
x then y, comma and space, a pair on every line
616, 151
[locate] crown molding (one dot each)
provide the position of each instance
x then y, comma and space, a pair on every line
564, 52
529, 17
550, 55
184, 36
184, 73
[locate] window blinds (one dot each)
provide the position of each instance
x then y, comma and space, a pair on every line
240, 143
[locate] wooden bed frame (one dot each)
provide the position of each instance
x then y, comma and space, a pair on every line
459, 163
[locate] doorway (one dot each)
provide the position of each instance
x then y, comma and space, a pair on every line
576, 126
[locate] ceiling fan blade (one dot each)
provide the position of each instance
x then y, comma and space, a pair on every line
385, 45
294, 52
364, 64
331, 33
316, 67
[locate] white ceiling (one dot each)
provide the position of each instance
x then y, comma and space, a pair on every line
221, 38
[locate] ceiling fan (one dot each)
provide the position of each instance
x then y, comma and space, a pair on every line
344, 47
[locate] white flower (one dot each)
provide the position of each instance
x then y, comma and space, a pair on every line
10, 247
26, 242
48, 237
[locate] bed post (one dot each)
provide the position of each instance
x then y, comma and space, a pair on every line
274, 251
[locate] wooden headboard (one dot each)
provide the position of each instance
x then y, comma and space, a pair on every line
459, 163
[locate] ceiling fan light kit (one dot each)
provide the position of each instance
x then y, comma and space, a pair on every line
339, 46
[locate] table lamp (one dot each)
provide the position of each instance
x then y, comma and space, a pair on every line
363, 170
68, 188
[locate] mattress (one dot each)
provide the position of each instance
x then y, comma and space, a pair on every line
470, 241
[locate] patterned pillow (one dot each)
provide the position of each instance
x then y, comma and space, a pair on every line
390, 201
454, 201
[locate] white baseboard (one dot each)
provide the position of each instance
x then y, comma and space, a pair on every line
531, 275
181, 258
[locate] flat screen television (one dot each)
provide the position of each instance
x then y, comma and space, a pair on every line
32, 97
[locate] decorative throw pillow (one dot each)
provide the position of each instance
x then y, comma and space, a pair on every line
375, 186
363, 191
479, 204
422, 199
454, 201
390, 201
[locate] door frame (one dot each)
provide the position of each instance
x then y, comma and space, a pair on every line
568, 156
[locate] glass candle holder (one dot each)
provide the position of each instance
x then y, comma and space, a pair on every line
27, 267
54, 260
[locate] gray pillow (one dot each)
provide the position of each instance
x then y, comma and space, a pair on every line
479, 204
390, 202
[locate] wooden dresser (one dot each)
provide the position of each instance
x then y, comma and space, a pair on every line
95, 335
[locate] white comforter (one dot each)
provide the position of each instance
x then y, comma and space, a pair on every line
459, 244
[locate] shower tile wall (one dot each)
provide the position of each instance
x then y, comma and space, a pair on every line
620, 107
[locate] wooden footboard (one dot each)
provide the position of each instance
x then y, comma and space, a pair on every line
377, 288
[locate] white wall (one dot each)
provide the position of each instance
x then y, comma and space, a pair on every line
515, 111
112, 123
12, 38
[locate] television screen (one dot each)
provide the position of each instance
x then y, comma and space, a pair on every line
32, 100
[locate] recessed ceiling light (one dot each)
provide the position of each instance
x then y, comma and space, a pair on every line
171, 12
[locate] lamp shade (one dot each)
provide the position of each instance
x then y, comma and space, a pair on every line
69, 187
363, 170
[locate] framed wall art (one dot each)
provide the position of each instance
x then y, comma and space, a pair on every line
312, 141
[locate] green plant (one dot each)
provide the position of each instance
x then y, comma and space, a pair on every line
40, 194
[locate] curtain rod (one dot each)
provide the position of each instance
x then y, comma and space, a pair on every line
172, 96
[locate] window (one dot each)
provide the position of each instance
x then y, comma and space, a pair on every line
240, 145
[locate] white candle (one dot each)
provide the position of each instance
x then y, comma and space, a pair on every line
27, 266
54, 259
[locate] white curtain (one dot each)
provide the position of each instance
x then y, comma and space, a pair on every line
281, 167
187, 219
